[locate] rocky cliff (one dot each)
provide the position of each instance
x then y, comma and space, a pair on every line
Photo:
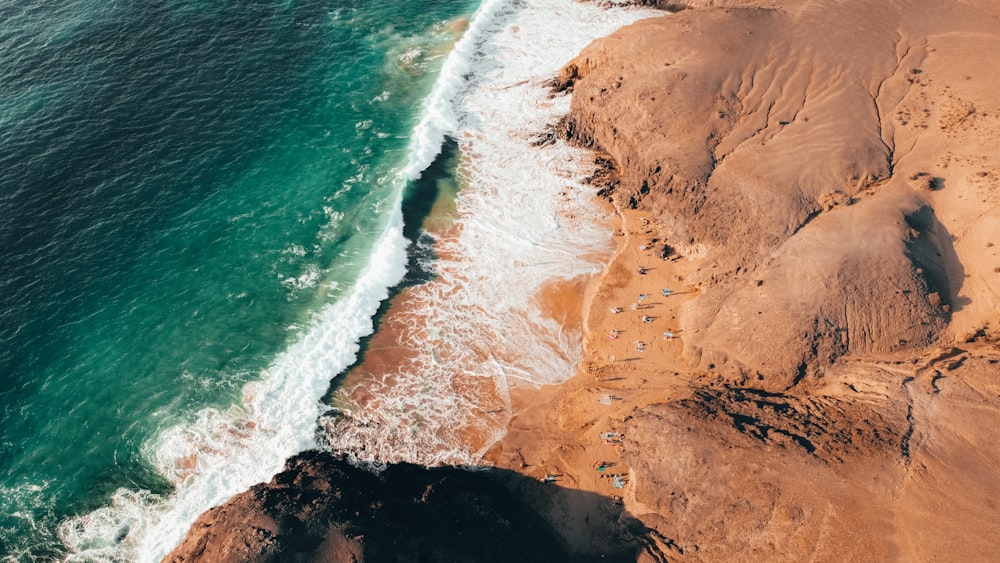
826, 177
801, 153
321, 508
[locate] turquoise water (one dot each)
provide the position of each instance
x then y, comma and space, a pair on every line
184, 184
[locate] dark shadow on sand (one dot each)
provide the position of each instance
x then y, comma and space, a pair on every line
324, 509
932, 252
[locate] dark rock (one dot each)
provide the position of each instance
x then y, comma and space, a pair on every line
321, 508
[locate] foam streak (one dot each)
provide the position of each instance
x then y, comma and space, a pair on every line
524, 219
225, 452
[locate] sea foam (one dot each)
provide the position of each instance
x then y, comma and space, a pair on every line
439, 118
524, 219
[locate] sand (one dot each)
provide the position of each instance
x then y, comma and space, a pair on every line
557, 430
826, 175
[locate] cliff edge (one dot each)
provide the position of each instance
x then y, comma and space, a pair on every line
823, 181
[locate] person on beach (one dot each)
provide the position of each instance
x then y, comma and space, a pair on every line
646, 319
635, 306
616, 310
611, 437
642, 270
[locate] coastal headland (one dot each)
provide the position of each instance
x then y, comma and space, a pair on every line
794, 353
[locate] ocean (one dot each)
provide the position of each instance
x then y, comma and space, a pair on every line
205, 206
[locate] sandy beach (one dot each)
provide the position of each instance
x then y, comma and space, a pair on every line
574, 431
792, 353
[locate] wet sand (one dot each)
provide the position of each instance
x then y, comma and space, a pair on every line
557, 430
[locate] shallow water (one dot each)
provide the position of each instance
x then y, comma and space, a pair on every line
186, 186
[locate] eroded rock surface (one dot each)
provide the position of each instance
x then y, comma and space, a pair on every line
323, 509
787, 154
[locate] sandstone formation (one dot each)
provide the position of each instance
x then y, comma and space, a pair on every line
819, 183
776, 142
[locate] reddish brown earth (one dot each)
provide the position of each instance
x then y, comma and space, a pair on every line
823, 178
817, 183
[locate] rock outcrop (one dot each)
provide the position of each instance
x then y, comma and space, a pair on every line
321, 508
775, 146
825, 175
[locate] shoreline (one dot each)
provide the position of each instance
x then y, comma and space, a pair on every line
833, 342
392, 355
498, 310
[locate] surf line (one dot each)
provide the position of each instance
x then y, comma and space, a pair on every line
439, 118
423, 408
224, 452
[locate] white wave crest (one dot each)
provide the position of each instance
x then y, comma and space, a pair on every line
438, 118
225, 452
